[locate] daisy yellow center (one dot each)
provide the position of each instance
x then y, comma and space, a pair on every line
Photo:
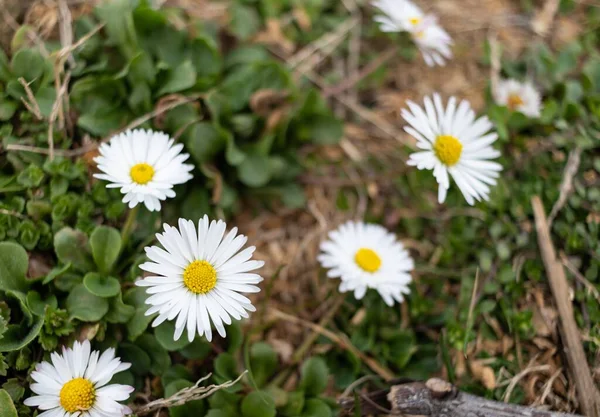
200, 277
368, 260
78, 394
414, 21
448, 149
142, 173
514, 101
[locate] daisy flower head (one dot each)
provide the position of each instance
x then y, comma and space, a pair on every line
433, 41
517, 96
74, 384
454, 144
367, 256
398, 15
199, 276
145, 165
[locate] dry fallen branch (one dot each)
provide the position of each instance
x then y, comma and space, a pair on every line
440, 398
587, 393
434, 398
542, 21
193, 393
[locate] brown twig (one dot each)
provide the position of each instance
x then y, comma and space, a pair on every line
566, 186
373, 66
589, 397
95, 145
542, 21
579, 277
31, 105
193, 393
341, 340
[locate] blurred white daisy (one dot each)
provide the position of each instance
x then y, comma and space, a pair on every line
403, 15
398, 15
74, 384
433, 41
145, 165
367, 256
454, 144
199, 277
517, 96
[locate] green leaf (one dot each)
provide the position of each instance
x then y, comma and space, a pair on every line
160, 359
118, 311
140, 360
254, 170
179, 79
56, 272
322, 130
85, 306
245, 21
139, 321
7, 109
258, 404
314, 376
263, 362
106, 245
204, 142
7, 408
101, 285
37, 305
118, 19
28, 63
14, 264
316, 408
17, 336
207, 61
192, 408
199, 349
14, 389
226, 366
71, 246
294, 405
165, 333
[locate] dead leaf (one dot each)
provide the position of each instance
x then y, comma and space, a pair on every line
482, 373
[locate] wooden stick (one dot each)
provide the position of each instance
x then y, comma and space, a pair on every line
437, 397
588, 395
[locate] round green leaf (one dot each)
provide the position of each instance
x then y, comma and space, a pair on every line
106, 246
140, 360
28, 63
85, 306
179, 79
160, 359
258, 404
14, 263
7, 408
254, 170
294, 405
71, 245
118, 311
165, 333
226, 366
314, 376
17, 337
263, 362
101, 286
316, 408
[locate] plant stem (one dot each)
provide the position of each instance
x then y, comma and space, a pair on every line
129, 225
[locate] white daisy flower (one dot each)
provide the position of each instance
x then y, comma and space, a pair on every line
398, 15
433, 42
517, 96
74, 384
403, 15
454, 143
145, 165
199, 277
367, 256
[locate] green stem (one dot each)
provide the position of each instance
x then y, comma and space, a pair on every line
129, 225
